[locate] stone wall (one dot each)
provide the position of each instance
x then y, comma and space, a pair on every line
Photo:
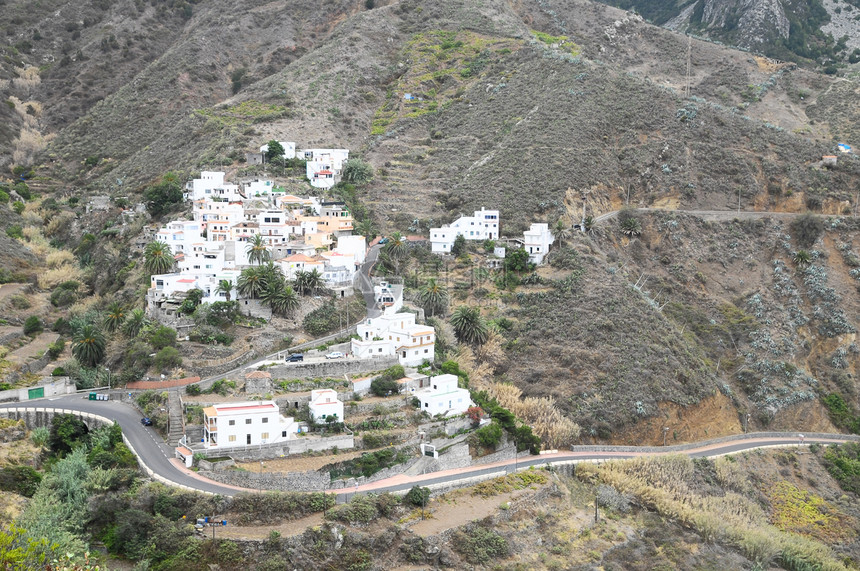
296, 445
312, 481
332, 368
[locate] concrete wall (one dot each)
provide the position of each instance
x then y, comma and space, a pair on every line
59, 386
333, 368
296, 445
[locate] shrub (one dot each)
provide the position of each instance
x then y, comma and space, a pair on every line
162, 337
66, 293
193, 389
479, 544
489, 436
20, 302
56, 348
167, 358
33, 325
417, 496
58, 372
18, 207
15, 232
383, 386
4, 197
22, 480
807, 229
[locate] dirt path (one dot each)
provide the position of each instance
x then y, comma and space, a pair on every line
9, 289
298, 463
459, 508
258, 532
38, 345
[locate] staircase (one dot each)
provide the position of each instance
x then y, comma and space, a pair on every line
176, 420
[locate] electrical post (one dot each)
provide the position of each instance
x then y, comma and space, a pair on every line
665, 432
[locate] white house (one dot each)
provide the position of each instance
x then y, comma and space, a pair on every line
536, 241
443, 396
355, 246
246, 424
484, 225
324, 404
395, 334
258, 188
180, 235
211, 185
289, 149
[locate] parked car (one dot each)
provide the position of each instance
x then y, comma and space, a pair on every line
295, 358
146, 421
335, 355
383, 241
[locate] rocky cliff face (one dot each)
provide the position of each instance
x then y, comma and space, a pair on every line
755, 21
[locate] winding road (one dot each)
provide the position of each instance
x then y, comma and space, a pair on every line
157, 458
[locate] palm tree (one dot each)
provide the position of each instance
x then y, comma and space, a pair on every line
562, 232
283, 300
257, 250
225, 287
588, 223
251, 283
88, 345
802, 258
366, 228
158, 258
397, 250
314, 281
115, 315
433, 297
301, 281
469, 326
273, 276
134, 323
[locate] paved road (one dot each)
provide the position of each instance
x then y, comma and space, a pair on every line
155, 455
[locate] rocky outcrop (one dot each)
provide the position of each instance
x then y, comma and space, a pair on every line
757, 21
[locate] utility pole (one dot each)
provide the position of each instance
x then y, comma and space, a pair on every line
665, 432
689, 66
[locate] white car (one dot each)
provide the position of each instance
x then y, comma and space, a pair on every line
335, 355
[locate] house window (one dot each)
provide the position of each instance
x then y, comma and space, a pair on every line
265, 436
232, 423
426, 351
284, 434
247, 421
426, 405
265, 419
232, 438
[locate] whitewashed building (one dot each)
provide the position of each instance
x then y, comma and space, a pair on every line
228, 425
211, 185
536, 241
395, 334
443, 396
289, 149
484, 225
324, 404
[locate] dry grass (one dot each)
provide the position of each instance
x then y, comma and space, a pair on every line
665, 485
59, 258
547, 422
54, 277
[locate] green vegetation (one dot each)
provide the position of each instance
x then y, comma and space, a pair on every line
165, 196
246, 112
560, 41
479, 544
368, 464
843, 463
841, 414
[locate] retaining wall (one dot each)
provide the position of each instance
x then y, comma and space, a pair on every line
332, 368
